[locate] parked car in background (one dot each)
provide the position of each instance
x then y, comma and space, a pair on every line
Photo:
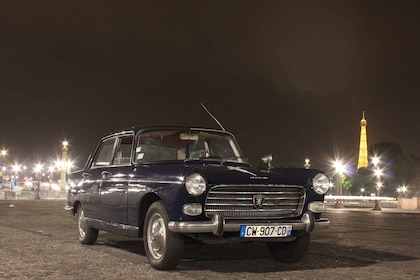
166, 184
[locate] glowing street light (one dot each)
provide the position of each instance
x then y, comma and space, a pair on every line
403, 189
37, 170
375, 161
340, 169
16, 168
378, 173
3, 155
14, 181
64, 165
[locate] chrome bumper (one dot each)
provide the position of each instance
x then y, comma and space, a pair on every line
218, 225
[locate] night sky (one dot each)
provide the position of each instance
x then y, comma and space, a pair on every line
290, 78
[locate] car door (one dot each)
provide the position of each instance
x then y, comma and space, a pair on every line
92, 179
114, 183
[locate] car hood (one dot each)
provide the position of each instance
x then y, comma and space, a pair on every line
240, 174
244, 175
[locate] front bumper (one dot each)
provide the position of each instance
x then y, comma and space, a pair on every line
218, 225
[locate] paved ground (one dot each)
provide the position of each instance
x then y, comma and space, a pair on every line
38, 240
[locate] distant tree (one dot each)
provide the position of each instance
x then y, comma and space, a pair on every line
414, 186
362, 182
398, 166
347, 184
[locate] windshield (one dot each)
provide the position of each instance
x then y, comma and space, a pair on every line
166, 145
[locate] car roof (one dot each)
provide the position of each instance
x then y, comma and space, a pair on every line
136, 129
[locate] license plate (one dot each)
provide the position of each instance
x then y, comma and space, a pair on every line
265, 231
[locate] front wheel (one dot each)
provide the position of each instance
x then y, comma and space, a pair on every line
87, 235
163, 248
290, 252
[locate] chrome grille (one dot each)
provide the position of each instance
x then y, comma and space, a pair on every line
241, 202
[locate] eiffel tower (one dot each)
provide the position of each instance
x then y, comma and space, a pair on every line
363, 150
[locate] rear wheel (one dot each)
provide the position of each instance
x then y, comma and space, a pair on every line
163, 248
290, 252
87, 235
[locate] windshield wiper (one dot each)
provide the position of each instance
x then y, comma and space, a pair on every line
238, 159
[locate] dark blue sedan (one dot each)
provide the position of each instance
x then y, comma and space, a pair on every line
166, 184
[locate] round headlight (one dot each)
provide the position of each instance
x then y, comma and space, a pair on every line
195, 184
321, 183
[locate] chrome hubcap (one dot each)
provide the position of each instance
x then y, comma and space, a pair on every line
156, 237
82, 224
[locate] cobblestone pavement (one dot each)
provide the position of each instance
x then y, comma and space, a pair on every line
39, 241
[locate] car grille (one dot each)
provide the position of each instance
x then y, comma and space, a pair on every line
255, 201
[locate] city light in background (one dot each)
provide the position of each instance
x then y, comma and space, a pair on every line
376, 161
40, 175
374, 176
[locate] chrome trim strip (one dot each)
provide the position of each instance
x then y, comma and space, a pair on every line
155, 181
218, 225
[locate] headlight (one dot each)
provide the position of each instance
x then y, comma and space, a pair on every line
321, 183
195, 184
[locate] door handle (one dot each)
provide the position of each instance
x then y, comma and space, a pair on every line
105, 174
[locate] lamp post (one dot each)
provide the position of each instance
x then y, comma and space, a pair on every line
3, 155
51, 175
378, 174
14, 181
64, 150
37, 170
339, 168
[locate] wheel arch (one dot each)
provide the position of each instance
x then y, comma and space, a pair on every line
76, 205
145, 203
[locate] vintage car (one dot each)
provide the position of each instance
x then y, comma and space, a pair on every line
168, 183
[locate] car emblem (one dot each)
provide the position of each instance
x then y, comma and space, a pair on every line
258, 201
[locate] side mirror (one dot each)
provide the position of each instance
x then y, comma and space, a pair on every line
267, 159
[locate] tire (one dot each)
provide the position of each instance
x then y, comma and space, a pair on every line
87, 235
290, 252
163, 248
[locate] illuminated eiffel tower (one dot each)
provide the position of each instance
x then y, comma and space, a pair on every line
363, 150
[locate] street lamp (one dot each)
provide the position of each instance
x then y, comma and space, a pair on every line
64, 150
375, 161
51, 174
37, 170
16, 168
402, 190
3, 155
339, 168
378, 173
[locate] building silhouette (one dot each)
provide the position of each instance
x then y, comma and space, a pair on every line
363, 150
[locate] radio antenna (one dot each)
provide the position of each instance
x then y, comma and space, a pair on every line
213, 117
